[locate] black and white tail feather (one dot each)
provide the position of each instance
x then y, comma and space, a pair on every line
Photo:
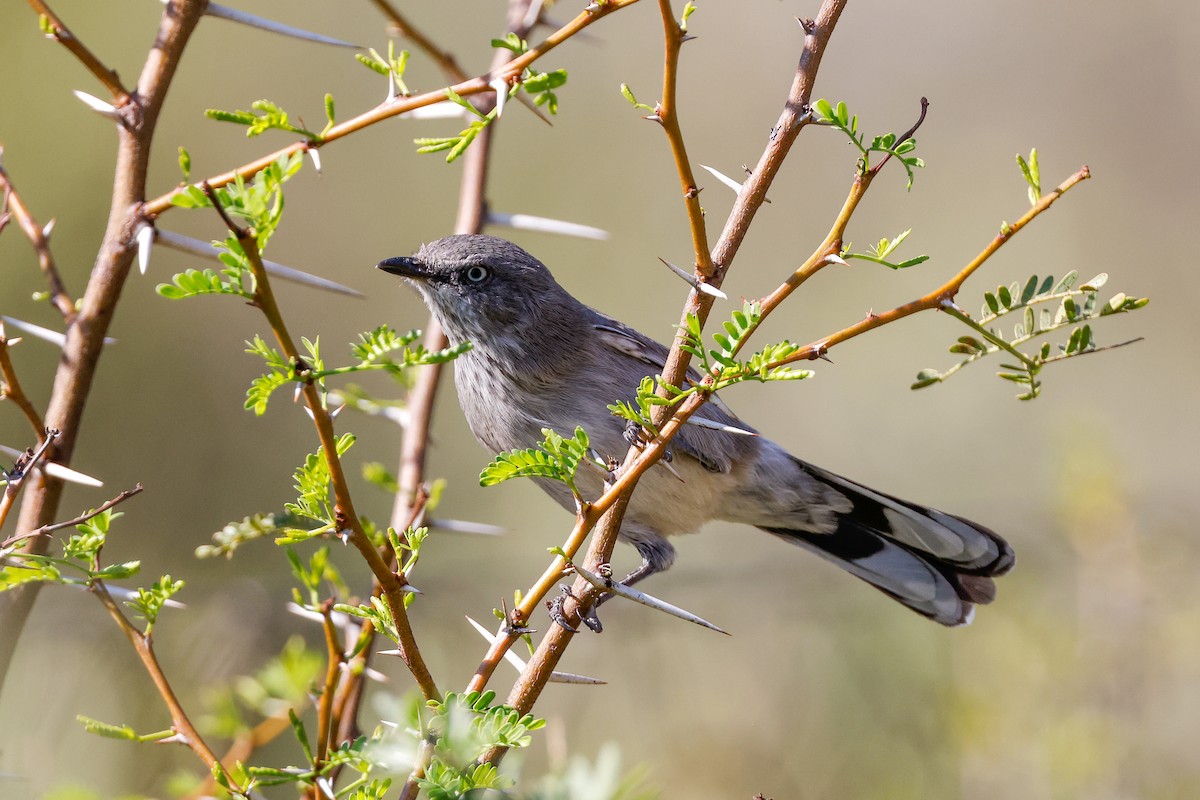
937, 564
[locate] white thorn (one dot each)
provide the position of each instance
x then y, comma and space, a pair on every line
48, 228
530, 222
315, 155
662, 462
571, 677
393, 90
308, 411
532, 14
341, 620
694, 282
45, 334
443, 110
121, 593
334, 414
145, 241
254, 21
701, 422
500, 86
99, 106
393, 652
630, 593
464, 526
509, 655
326, 786
723, 178
371, 674
196, 247
833, 258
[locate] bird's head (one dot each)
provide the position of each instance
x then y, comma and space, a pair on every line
485, 290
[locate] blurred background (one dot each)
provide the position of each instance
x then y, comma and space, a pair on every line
1082, 679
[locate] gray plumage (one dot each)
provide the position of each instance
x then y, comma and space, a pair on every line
541, 359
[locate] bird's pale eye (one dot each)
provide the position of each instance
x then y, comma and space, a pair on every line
477, 273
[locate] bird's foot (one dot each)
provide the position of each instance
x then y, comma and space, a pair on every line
587, 614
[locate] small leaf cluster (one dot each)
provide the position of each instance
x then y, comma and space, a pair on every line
379, 349
146, 603
392, 66
540, 85
351, 755
557, 458
314, 501
721, 363
79, 564
1062, 307
122, 732
457, 145
266, 116
1033, 175
229, 538
463, 728
258, 203
839, 117
284, 682
879, 253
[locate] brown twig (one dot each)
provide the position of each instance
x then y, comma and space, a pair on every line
143, 645
944, 293
10, 388
667, 113
333, 648
400, 105
752, 195
347, 518
62, 34
36, 234
85, 336
24, 466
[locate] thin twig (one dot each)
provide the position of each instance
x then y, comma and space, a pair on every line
36, 234
86, 334
347, 518
10, 388
24, 467
62, 34
144, 647
400, 105
754, 190
945, 292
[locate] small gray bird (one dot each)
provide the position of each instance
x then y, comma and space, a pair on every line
541, 359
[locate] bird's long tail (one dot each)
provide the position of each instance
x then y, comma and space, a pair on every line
937, 564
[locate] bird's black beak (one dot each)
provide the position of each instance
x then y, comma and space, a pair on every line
406, 267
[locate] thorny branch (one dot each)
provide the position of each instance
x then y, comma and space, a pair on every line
40, 239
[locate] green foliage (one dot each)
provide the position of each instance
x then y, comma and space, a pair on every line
557, 458
185, 164
195, 282
80, 556
235, 534
392, 66
266, 116
689, 8
146, 603
542, 85
627, 93
1033, 175
602, 779
317, 573
314, 501
879, 253
839, 117
512, 42
379, 349
285, 682
258, 204
457, 145
463, 728
720, 362
377, 612
1076, 309
123, 732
